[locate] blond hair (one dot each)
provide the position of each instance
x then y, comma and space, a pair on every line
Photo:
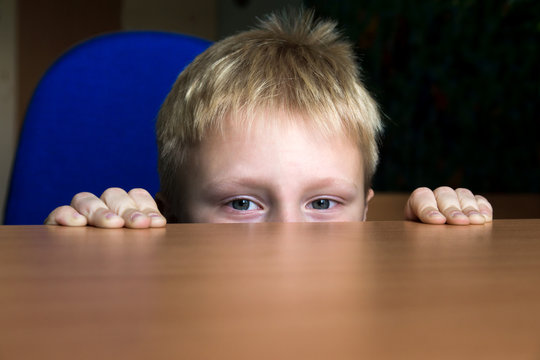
289, 62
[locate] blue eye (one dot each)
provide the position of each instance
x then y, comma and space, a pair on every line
322, 204
243, 205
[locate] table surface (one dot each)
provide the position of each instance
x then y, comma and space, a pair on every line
373, 290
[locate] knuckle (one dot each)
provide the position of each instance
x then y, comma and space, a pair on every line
138, 192
482, 201
113, 191
443, 190
464, 192
63, 209
480, 198
81, 197
421, 190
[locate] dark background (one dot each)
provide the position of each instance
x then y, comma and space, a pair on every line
458, 83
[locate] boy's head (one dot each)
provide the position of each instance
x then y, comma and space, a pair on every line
289, 87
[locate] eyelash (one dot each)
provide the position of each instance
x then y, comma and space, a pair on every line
333, 204
230, 204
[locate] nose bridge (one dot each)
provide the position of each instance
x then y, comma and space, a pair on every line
286, 213
285, 200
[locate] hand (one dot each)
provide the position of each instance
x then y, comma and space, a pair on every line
115, 209
446, 205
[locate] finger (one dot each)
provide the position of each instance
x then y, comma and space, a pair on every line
469, 206
65, 215
95, 211
122, 204
146, 203
448, 204
485, 207
422, 206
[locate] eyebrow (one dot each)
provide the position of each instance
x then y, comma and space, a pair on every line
227, 184
330, 182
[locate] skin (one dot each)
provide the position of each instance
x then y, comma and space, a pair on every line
280, 173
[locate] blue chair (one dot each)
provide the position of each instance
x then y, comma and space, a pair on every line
90, 123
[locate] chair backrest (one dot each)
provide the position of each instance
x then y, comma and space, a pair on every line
90, 123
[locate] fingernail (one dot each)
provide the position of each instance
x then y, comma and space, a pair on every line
110, 215
455, 214
434, 213
154, 215
134, 216
471, 213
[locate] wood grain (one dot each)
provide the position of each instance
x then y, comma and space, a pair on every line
374, 290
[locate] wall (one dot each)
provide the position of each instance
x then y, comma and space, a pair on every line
33, 33
196, 18
7, 93
234, 16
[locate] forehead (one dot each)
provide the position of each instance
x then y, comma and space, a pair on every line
271, 144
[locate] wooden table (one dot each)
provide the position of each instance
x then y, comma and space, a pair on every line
374, 290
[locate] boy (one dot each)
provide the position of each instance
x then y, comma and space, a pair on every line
272, 124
